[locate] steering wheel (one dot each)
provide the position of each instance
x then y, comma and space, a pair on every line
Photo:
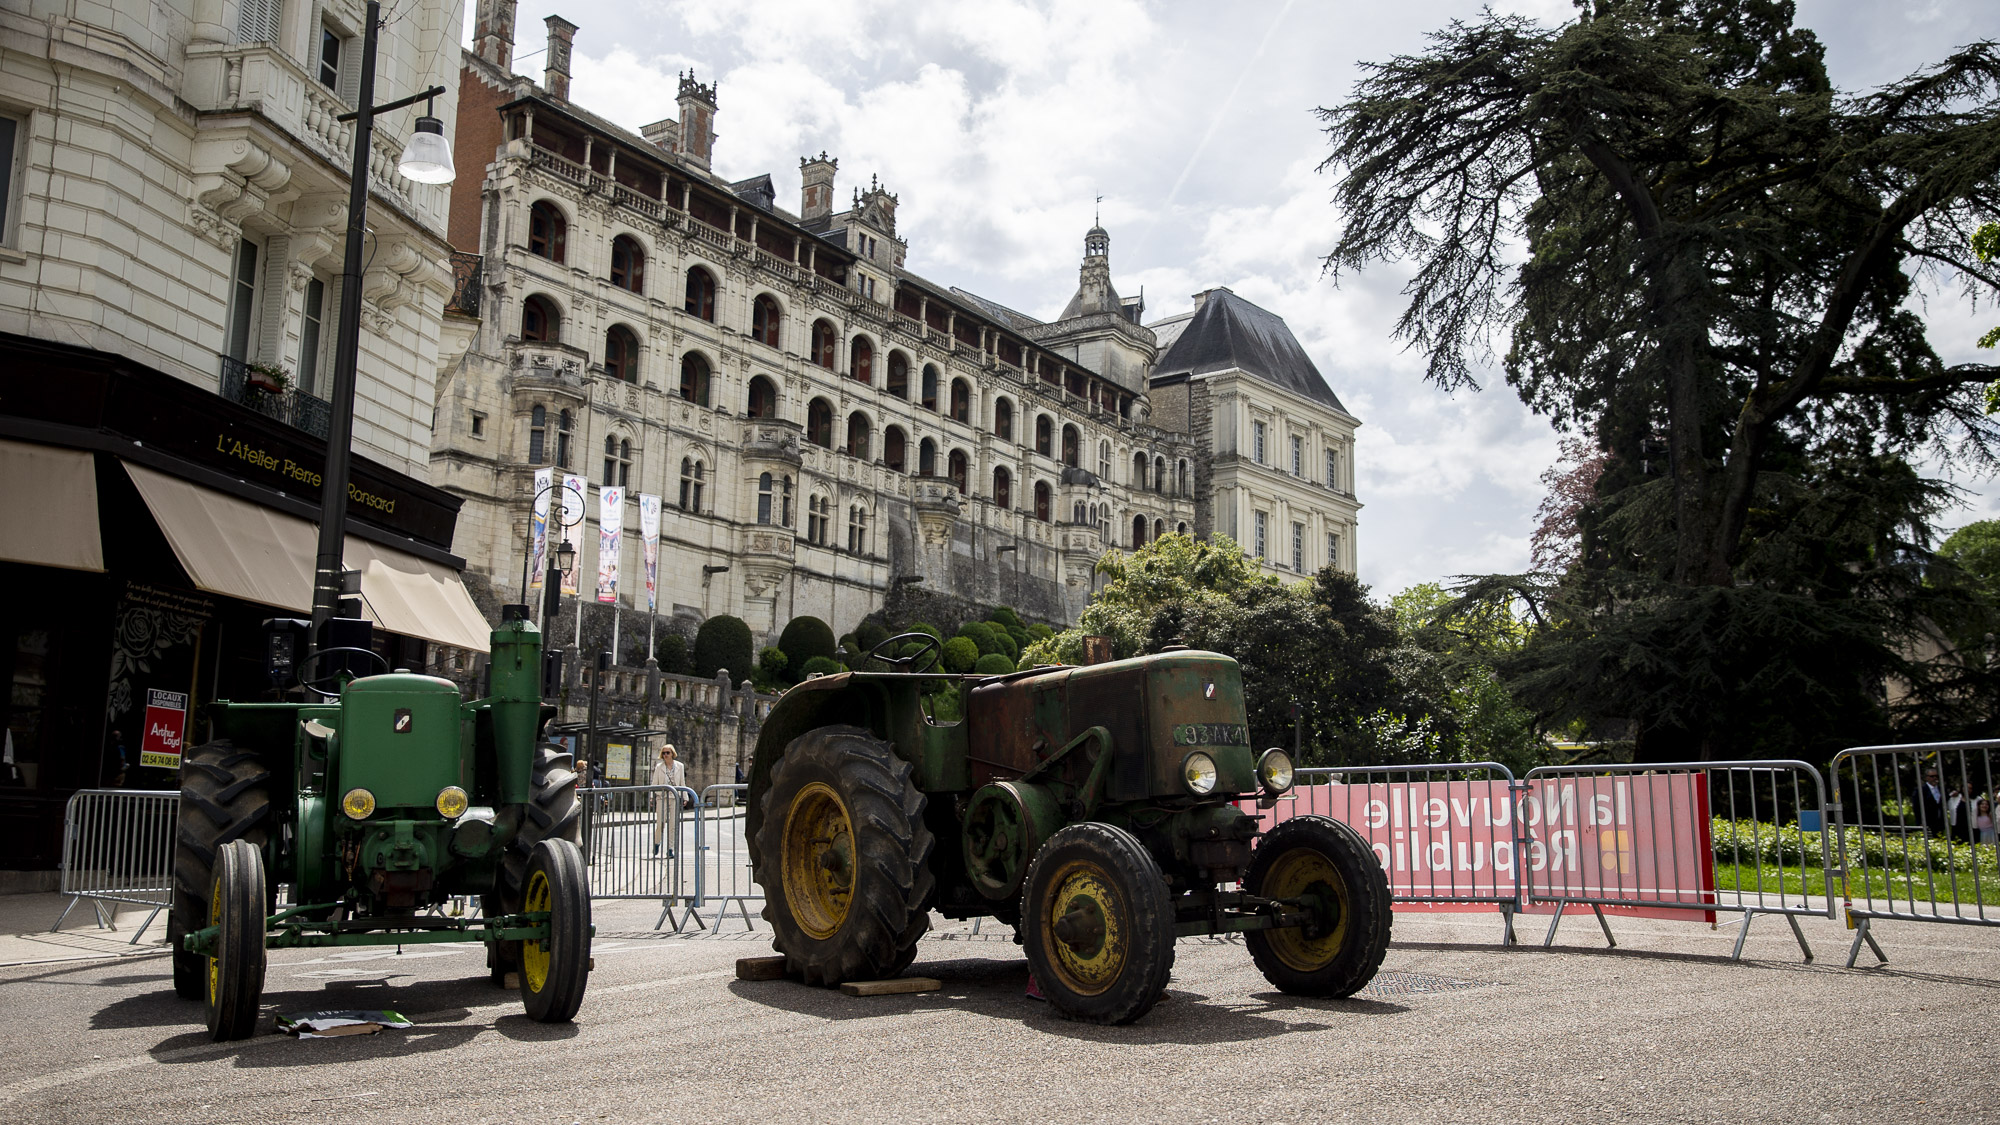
312, 685
915, 662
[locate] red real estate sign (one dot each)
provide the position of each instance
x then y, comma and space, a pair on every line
166, 722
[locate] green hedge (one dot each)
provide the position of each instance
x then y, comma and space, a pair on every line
1746, 841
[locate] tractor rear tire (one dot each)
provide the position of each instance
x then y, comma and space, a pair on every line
845, 858
1321, 856
553, 812
225, 796
1097, 922
554, 973
235, 974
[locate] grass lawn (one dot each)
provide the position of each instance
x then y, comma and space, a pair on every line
1896, 884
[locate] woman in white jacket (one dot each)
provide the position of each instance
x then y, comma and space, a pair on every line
667, 771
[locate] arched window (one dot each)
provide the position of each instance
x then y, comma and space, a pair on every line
1104, 461
1138, 470
1159, 528
547, 231
1159, 474
1072, 440
539, 321
1042, 500
763, 398
1044, 434
1077, 513
1138, 532
1003, 418
617, 461
1003, 489
930, 387
764, 320
694, 379
957, 469
819, 423
961, 401
1180, 529
621, 354
691, 481
628, 264
788, 502
562, 439
857, 530
538, 425
861, 360
895, 448
700, 293
927, 458
857, 435
1181, 476
899, 375
819, 513
823, 340
764, 498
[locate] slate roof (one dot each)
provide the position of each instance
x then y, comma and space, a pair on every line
999, 313
1229, 332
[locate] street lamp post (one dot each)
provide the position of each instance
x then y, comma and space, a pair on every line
426, 159
566, 553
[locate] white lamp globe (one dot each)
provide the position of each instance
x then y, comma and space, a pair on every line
427, 156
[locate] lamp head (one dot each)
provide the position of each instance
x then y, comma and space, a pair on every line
565, 556
427, 155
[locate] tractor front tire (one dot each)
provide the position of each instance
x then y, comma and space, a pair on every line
555, 972
845, 858
1098, 924
1330, 862
225, 796
235, 971
553, 812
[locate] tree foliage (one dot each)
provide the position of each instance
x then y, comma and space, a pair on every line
723, 642
1721, 252
803, 639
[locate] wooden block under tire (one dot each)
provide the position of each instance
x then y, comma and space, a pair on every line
512, 982
760, 968
890, 987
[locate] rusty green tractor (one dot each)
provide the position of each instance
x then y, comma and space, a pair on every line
1098, 810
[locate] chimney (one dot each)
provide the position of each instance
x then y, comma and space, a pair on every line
816, 201
697, 139
493, 32
662, 134
555, 79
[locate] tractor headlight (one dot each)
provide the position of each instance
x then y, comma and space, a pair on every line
452, 802
1274, 771
358, 803
1198, 771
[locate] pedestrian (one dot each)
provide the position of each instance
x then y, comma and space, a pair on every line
1982, 820
1943, 810
667, 771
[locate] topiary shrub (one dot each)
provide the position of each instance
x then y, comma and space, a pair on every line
723, 642
1006, 645
1040, 632
671, 650
805, 638
960, 654
771, 664
922, 627
1005, 616
821, 666
868, 634
982, 634
993, 664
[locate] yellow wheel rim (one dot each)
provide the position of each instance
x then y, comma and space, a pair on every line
215, 919
818, 861
1303, 871
1085, 932
535, 954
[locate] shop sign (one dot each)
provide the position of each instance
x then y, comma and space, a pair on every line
166, 723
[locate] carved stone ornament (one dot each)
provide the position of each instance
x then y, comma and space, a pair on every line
212, 227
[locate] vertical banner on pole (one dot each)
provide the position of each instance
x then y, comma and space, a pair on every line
574, 489
649, 537
610, 536
538, 539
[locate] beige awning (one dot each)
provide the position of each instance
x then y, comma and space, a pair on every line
244, 550
48, 507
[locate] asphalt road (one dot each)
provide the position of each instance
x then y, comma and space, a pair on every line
1455, 1029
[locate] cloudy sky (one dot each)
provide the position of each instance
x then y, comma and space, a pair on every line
998, 122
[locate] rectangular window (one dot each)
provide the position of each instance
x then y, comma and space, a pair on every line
243, 300
1259, 522
1298, 456
309, 335
329, 59
10, 132
1333, 470
1332, 549
1257, 442
1299, 547
478, 425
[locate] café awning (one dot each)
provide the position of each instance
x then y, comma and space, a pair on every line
233, 547
48, 509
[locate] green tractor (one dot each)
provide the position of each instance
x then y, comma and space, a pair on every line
1095, 809
376, 807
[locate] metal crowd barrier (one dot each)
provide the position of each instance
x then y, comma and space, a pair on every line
1906, 818
1642, 836
636, 842
118, 846
722, 871
1392, 806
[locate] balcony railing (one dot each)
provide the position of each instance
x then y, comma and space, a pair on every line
465, 276
294, 408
